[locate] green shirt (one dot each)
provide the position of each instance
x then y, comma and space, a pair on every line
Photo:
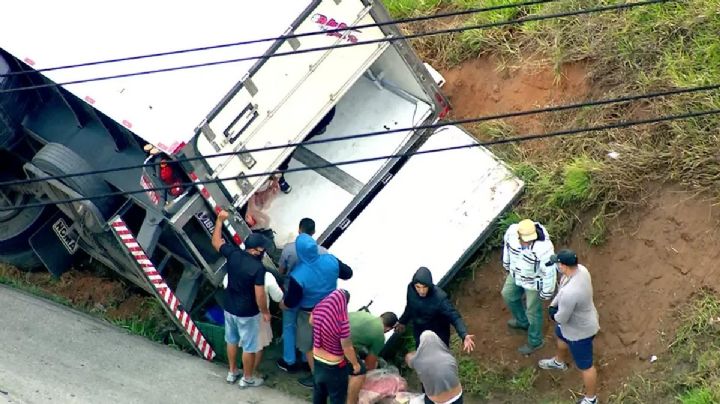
367, 331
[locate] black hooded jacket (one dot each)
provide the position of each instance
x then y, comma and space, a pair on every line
432, 312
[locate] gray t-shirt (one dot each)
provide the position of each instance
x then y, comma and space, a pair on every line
288, 258
576, 315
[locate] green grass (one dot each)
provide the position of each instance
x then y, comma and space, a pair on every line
409, 8
25, 285
151, 322
691, 373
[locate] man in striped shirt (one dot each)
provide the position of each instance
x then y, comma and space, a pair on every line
333, 349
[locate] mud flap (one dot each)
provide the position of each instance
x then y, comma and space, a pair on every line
56, 243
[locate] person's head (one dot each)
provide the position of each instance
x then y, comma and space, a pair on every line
527, 232
346, 294
307, 226
422, 282
389, 320
566, 260
256, 245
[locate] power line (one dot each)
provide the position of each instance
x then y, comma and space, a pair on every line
290, 36
592, 103
338, 46
568, 132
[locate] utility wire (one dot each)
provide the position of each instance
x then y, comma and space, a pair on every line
591, 103
289, 36
346, 45
568, 132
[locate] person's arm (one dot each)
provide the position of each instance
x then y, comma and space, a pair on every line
260, 296
294, 294
347, 345
451, 313
405, 317
371, 362
345, 271
272, 288
506, 252
409, 358
566, 306
282, 265
217, 239
548, 274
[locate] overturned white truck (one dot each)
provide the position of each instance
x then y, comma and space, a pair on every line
384, 218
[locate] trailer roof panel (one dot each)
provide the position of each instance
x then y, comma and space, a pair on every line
162, 108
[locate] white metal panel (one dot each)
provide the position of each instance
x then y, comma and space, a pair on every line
294, 93
164, 108
429, 215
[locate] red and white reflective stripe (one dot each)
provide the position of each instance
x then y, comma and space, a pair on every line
206, 194
146, 184
167, 295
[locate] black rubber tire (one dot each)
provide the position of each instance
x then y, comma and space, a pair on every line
24, 261
56, 159
15, 237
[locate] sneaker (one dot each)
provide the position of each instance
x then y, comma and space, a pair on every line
232, 377
307, 381
287, 367
586, 400
284, 186
552, 364
513, 323
527, 349
253, 382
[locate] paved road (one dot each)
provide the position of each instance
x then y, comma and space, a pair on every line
49, 353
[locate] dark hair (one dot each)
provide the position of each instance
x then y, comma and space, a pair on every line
307, 226
347, 295
389, 319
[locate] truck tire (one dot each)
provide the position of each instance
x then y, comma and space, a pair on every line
56, 159
15, 232
25, 261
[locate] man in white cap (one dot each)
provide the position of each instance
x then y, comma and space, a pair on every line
527, 248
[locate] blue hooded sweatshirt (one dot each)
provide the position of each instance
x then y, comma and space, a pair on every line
316, 273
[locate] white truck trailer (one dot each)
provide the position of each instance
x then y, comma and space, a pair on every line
384, 218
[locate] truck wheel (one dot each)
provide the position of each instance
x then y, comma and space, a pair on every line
56, 159
16, 227
25, 261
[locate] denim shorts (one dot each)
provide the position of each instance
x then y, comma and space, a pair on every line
581, 350
243, 331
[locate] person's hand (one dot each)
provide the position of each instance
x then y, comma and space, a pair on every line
552, 310
469, 343
223, 215
267, 317
400, 328
356, 368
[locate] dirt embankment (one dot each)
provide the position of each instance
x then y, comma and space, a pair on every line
655, 258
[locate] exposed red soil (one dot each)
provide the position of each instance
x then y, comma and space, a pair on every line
479, 87
654, 260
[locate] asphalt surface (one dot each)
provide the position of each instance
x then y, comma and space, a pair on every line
50, 353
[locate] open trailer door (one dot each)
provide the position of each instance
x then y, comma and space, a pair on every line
436, 212
282, 98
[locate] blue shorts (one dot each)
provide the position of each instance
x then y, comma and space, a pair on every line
581, 350
243, 331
